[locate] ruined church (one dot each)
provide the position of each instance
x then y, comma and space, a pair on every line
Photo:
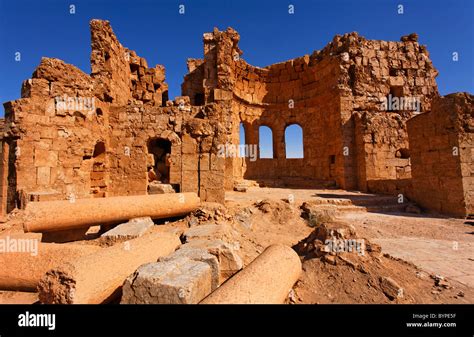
114, 132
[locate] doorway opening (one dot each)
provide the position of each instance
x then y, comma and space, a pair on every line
159, 160
98, 179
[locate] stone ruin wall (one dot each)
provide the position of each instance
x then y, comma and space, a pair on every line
442, 155
52, 153
260, 97
372, 138
301, 92
379, 69
336, 98
348, 138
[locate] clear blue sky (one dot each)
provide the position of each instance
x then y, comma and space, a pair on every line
156, 31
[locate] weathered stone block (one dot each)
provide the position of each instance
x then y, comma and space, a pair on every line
391, 288
201, 255
43, 175
128, 230
46, 158
157, 188
229, 261
177, 281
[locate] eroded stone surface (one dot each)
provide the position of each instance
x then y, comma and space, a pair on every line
229, 260
200, 255
176, 281
114, 132
134, 228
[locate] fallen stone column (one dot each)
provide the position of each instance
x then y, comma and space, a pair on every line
18, 297
99, 278
49, 216
23, 270
266, 280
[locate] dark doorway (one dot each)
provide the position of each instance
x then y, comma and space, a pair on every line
98, 178
9, 159
159, 156
199, 99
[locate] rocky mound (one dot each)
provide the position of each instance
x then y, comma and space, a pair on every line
340, 267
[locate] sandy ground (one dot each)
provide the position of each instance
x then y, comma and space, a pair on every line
415, 248
430, 258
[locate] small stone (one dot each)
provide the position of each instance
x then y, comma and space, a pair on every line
134, 228
240, 188
243, 218
197, 254
329, 259
229, 261
443, 283
391, 288
155, 187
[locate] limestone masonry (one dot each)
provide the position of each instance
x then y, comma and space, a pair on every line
370, 111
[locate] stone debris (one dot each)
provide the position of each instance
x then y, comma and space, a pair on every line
318, 243
440, 281
229, 260
195, 253
98, 149
179, 280
244, 217
155, 187
181, 276
98, 278
208, 211
134, 228
277, 268
240, 188
317, 215
391, 288
115, 132
210, 231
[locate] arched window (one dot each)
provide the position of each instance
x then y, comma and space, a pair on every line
265, 143
294, 141
242, 140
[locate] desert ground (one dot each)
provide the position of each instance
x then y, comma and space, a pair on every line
426, 258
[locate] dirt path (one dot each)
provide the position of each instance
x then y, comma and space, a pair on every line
440, 246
